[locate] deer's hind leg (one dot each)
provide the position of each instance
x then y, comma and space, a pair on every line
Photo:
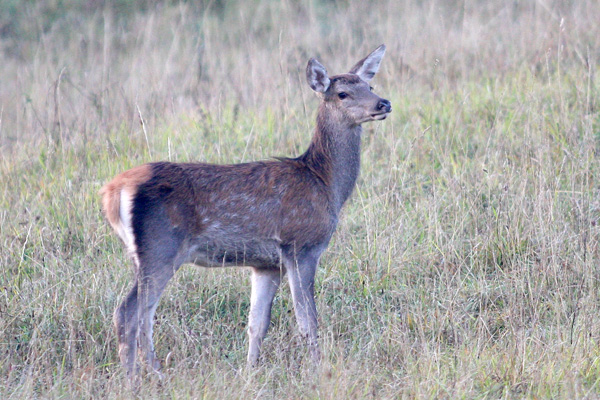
153, 276
125, 320
134, 318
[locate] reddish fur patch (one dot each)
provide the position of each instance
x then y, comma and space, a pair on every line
111, 192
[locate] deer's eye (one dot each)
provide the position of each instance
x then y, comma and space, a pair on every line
342, 95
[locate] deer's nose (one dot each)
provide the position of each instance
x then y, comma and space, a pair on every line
384, 105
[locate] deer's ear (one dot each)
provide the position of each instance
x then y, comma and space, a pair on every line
316, 75
368, 66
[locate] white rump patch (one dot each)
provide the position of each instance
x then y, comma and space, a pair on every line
125, 229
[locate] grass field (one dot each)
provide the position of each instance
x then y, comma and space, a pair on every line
466, 264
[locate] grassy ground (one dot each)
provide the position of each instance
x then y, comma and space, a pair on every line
466, 264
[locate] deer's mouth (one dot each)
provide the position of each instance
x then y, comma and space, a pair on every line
379, 116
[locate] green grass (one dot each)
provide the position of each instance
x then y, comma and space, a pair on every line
465, 265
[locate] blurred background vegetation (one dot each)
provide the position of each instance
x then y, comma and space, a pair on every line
465, 265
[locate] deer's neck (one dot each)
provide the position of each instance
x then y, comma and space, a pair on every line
334, 154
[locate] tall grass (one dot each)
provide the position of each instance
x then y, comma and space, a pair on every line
465, 265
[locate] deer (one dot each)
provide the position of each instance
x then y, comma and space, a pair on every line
275, 217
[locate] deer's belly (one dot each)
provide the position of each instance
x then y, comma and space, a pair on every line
236, 253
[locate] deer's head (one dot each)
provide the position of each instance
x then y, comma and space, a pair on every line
349, 96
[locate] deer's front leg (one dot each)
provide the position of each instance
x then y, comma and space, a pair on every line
301, 275
264, 287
